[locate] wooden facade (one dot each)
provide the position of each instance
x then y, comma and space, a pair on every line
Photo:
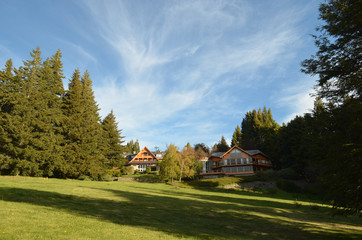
236, 162
145, 158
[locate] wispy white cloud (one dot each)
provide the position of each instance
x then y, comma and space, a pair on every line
179, 55
297, 98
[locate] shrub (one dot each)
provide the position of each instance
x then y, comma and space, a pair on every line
115, 173
288, 186
84, 178
148, 170
105, 177
128, 170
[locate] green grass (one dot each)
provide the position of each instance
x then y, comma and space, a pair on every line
36, 208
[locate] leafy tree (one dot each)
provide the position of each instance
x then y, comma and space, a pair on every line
186, 162
236, 140
170, 166
338, 61
113, 140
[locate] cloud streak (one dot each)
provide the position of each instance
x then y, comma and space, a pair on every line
185, 61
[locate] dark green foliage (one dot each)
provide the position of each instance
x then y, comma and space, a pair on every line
222, 146
335, 130
338, 61
31, 115
45, 132
259, 131
342, 162
83, 132
236, 140
202, 146
292, 139
133, 147
113, 140
288, 186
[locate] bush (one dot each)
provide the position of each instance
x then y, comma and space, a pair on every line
148, 170
288, 186
115, 173
105, 177
84, 178
128, 170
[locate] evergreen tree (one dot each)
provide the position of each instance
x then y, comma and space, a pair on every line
236, 140
336, 129
9, 92
113, 139
203, 147
259, 131
222, 146
133, 147
82, 129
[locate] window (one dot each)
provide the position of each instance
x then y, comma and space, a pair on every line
234, 169
240, 169
245, 161
239, 161
227, 169
233, 161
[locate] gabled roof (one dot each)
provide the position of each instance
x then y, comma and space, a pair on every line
216, 154
139, 155
235, 147
256, 151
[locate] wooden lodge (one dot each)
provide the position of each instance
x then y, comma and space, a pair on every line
235, 162
145, 158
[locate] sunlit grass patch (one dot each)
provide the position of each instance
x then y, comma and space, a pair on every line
35, 208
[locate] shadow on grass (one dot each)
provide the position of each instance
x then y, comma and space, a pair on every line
179, 216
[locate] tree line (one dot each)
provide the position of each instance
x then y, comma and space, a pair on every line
47, 131
324, 146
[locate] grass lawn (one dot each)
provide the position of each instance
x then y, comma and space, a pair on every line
36, 208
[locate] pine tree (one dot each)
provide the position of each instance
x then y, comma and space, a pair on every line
82, 128
259, 131
133, 147
113, 140
8, 93
222, 146
236, 140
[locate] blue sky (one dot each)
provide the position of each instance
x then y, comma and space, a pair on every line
174, 71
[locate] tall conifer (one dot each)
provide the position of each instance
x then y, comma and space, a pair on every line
236, 140
82, 128
113, 139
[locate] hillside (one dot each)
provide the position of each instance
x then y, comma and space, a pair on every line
37, 208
